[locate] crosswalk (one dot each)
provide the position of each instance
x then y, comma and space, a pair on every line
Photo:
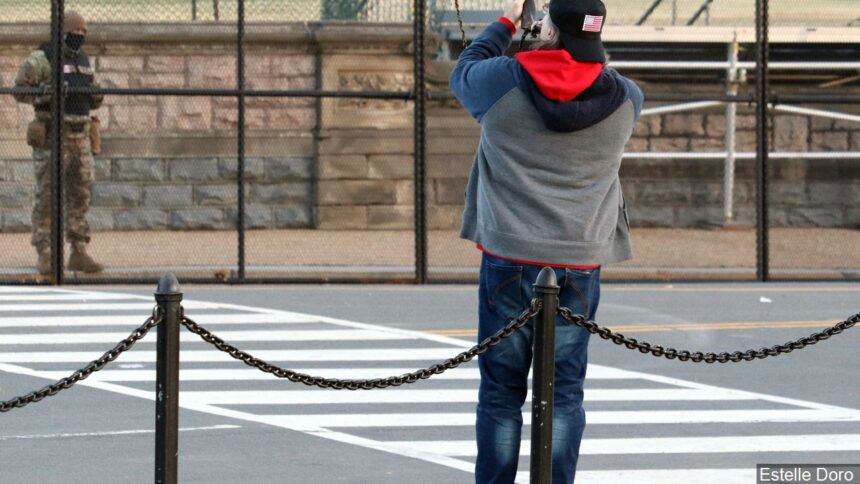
666, 427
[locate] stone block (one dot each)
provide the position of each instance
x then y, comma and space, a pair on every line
745, 141
167, 196
815, 217
668, 192
852, 217
821, 124
124, 63
832, 193
787, 193
287, 168
194, 169
103, 169
450, 191
100, 219
715, 125
280, 193
855, 141
365, 146
404, 192
130, 119
6, 174
8, 119
162, 80
254, 168
647, 126
258, 65
390, 166
16, 195
293, 65
684, 124
789, 170
707, 145
256, 217
390, 217
294, 216
343, 166
357, 192
699, 217
184, 114
709, 193
642, 215
845, 125
444, 217
791, 133
137, 169
198, 219
450, 166
22, 171
114, 79
349, 217
636, 145
165, 63
140, 219
228, 119
829, 141
116, 195
291, 118
16, 221
669, 144
224, 194
746, 122
215, 71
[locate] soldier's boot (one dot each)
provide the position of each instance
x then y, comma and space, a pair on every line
79, 260
44, 264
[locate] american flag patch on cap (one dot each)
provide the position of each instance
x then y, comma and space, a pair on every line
593, 23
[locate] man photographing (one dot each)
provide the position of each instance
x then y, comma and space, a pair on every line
544, 191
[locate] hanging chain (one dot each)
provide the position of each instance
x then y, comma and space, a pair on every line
392, 381
460, 21
698, 356
86, 371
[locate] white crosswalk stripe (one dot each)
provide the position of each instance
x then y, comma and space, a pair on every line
431, 420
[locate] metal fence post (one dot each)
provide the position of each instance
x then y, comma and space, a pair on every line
169, 301
419, 130
762, 150
543, 377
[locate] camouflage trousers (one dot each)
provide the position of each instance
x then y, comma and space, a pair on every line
78, 175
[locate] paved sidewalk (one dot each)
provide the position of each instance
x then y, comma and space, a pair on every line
660, 254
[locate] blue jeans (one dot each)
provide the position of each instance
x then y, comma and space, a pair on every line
505, 289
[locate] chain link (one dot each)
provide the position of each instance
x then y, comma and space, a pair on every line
698, 356
391, 381
86, 371
460, 21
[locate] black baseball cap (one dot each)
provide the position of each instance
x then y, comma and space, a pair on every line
580, 23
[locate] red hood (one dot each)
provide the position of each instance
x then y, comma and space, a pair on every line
557, 75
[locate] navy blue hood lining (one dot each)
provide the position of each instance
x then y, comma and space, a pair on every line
592, 106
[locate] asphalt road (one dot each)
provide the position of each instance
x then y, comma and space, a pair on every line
650, 420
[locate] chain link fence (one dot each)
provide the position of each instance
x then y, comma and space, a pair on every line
312, 141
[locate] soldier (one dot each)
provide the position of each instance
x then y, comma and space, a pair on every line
78, 127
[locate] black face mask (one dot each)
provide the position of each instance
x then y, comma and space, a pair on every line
74, 41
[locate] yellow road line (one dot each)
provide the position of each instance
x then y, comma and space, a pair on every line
648, 328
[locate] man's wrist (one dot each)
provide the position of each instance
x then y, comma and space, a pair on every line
509, 24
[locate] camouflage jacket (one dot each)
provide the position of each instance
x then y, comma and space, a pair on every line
35, 71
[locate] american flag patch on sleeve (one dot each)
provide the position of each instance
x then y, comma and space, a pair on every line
593, 23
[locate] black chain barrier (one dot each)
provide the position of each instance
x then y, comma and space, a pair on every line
370, 384
84, 372
698, 356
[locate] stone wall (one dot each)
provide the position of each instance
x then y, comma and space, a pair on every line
169, 162
188, 194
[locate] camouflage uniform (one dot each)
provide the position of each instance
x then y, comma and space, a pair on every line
78, 165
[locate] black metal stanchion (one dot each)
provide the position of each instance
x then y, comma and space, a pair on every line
543, 377
169, 301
